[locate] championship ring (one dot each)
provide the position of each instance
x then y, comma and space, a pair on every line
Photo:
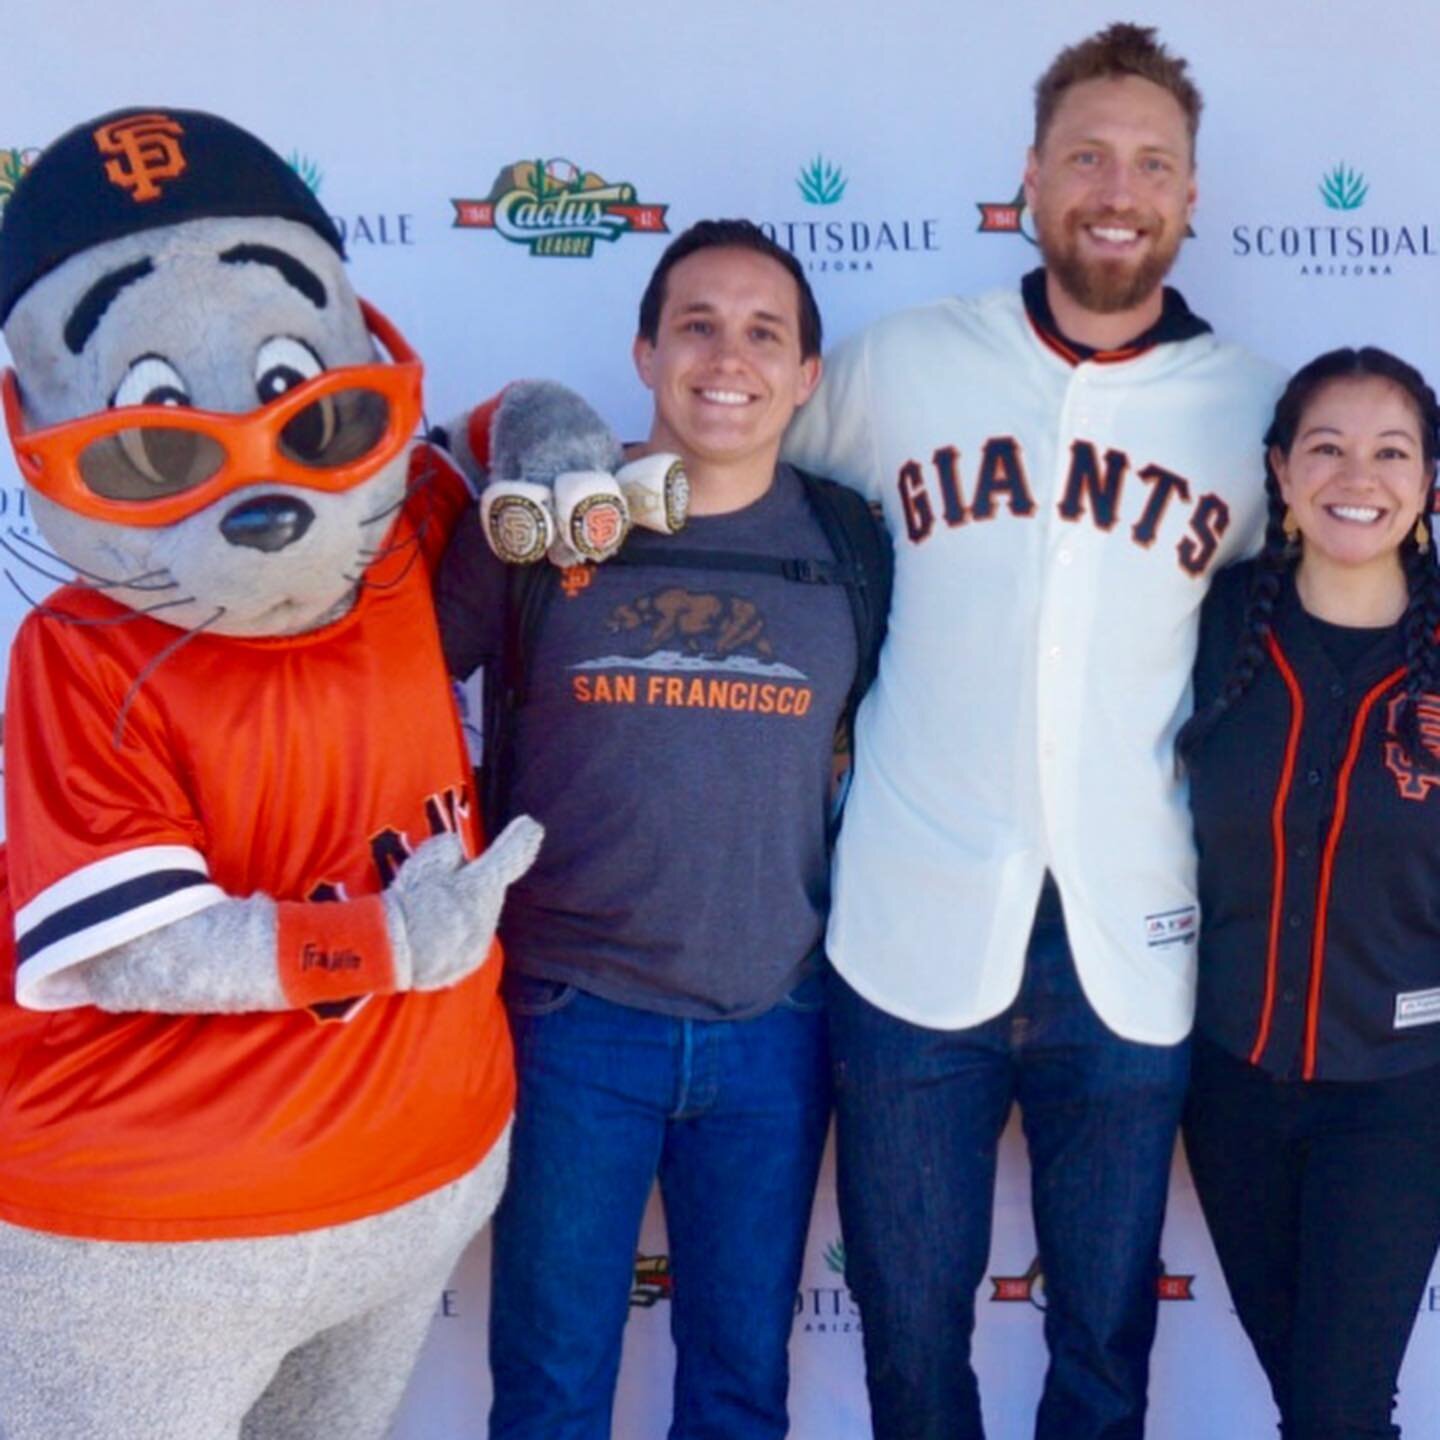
517, 520
657, 490
591, 513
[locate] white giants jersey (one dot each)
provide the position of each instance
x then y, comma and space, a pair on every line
1056, 523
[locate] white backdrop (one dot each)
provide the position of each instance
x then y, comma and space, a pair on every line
874, 139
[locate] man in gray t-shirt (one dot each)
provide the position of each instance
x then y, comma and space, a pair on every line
663, 956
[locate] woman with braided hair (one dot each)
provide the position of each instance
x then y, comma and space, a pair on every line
1314, 761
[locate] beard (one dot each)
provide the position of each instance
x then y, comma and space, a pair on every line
1107, 286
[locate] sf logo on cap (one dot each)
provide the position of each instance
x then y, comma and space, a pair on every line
149, 151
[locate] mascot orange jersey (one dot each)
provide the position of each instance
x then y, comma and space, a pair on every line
227, 774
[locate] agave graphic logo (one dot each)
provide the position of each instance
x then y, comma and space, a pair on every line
1337, 246
1343, 188
307, 169
554, 207
1029, 1288
360, 227
821, 183
13, 164
828, 1309
852, 246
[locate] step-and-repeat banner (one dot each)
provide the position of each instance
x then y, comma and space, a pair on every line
884, 146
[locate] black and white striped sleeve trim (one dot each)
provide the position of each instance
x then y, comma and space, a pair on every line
93, 909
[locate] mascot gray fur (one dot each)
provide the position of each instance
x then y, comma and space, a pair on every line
255, 1083
550, 490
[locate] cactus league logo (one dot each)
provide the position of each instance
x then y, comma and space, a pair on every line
1341, 236
1029, 1288
650, 1281
1006, 217
1013, 217
554, 207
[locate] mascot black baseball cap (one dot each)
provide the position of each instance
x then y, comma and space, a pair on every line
140, 169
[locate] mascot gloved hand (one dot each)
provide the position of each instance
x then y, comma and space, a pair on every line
553, 479
255, 1080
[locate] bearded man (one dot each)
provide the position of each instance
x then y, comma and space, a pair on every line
1062, 472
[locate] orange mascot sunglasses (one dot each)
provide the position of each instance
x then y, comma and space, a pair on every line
158, 464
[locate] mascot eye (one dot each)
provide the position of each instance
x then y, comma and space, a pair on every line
282, 364
150, 380
164, 459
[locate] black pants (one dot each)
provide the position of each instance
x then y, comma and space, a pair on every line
1323, 1199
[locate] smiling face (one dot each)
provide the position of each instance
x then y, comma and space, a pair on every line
1355, 476
1112, 187
726, 367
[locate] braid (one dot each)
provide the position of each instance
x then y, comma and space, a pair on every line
1422, 580
1422, 655
1274, 560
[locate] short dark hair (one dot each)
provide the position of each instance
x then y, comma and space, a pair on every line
1110, 54
729, 235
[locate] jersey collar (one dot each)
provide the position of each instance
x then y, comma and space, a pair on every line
1301, 636
1177, 322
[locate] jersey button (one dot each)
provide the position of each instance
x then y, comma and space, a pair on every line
1294, 922
1288, 997
1064, 557
1303, 851
1337, 689
1314, 778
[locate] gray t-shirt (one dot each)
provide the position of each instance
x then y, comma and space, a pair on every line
676, 741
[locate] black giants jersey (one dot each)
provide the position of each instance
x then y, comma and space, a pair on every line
1319, 848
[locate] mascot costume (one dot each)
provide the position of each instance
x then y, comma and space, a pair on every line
255, 1082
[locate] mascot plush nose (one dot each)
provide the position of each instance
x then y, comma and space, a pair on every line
270, 523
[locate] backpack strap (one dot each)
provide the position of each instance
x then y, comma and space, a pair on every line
528, 592
802, 572
862, 552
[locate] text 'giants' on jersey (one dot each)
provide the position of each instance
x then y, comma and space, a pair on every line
1094, 491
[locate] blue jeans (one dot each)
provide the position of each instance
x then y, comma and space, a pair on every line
731, 1115
919, 1116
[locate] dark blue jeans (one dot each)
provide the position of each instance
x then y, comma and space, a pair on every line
731, 1115
1323, 1199
919, 1116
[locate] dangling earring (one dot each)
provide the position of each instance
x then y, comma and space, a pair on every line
1422, 534
1291, 526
